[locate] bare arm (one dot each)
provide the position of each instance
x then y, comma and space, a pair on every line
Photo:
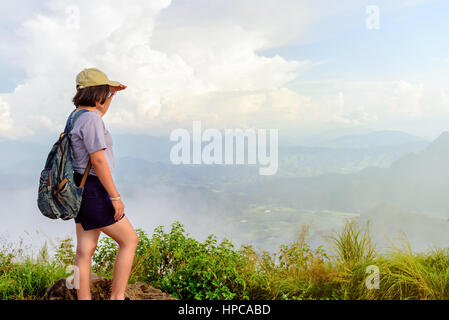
103, 172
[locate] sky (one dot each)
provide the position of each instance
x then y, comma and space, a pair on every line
302, 67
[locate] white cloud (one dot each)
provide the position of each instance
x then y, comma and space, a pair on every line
374, 103
216, 64
406, 98
185, 61
7, 126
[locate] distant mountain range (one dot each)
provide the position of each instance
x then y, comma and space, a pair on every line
418, 180
397, 181
139, 154
376, 139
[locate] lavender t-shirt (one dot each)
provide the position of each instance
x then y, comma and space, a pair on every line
88, 136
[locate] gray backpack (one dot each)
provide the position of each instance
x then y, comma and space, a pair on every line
58, 195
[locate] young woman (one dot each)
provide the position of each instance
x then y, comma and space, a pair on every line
102, 209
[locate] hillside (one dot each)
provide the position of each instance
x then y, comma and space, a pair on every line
417, 181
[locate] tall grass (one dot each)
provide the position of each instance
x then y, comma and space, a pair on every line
189, 269
27, 277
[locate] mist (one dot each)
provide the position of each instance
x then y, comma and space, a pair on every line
399, 188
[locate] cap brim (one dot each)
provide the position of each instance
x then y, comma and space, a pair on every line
114, 83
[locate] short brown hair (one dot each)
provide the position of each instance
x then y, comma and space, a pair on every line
89, 96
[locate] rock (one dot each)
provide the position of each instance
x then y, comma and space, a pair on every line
101, 289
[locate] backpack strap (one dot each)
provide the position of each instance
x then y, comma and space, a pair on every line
86, 173
68, 127
70, 122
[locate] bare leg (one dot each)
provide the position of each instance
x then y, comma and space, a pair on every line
123, 233
86, 242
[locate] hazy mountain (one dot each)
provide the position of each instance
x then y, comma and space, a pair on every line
386, 182
390, 223
376, 139
312, 161
23, 157
139, 154
140, 146
410, 196
418, 181
294, 161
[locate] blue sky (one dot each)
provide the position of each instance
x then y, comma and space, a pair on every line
410, 40
300, 66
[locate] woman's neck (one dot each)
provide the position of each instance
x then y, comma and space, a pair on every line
91, 109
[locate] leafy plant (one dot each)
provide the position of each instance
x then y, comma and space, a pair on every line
189, 269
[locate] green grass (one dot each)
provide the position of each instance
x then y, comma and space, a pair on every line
28, 278
189, 269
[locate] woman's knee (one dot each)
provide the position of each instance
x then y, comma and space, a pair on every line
130, 241
134, 239
86, 251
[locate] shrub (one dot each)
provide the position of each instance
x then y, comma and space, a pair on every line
189, 269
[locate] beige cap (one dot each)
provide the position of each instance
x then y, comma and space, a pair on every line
93, 77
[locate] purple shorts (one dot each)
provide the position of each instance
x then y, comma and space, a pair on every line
96, 207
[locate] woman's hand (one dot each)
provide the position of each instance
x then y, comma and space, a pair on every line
101, 167
115, 89
119, 209
103, 108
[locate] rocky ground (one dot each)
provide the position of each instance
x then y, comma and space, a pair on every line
101, 288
